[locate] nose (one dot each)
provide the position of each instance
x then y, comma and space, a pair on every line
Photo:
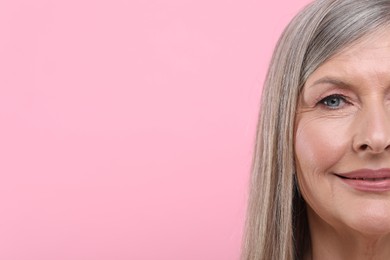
373, 131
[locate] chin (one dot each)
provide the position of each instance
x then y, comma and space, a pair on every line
372, 223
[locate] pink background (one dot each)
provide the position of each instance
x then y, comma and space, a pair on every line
127, 125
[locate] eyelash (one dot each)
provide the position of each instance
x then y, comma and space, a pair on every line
338, 96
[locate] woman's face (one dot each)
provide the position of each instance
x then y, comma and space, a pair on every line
342, 139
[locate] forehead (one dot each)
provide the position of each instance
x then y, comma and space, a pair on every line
372, 46
367, 57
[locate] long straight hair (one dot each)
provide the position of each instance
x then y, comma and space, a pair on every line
276, 225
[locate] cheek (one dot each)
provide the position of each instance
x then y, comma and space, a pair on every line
320, 144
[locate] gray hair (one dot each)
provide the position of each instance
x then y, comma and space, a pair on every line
276, 224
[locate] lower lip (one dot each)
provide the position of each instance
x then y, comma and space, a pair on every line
368, 185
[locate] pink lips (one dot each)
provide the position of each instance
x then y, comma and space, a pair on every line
367, 180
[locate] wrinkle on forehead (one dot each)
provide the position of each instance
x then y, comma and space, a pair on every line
365, 62
370, 41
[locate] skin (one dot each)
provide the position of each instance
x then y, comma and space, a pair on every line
341, 133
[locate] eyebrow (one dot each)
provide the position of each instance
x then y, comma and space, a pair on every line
330, 80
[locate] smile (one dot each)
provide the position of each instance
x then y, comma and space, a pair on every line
367, 180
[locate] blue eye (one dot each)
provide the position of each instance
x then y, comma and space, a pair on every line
333, 101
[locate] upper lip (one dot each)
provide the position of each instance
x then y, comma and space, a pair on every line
366, 174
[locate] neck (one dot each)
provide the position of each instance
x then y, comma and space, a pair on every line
328, 242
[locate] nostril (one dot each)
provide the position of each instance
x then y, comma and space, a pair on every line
364, 147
